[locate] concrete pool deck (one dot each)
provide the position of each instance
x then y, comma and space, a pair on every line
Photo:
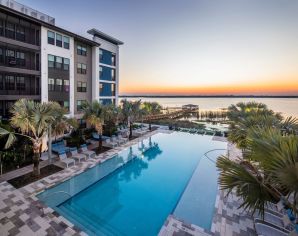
21, 213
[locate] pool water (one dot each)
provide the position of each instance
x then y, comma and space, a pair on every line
139, 193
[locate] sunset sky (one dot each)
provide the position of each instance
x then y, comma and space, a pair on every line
203, 47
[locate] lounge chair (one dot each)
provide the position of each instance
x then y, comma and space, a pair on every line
267, 229
59, 147
140, 132
109, 143
63, 158
275, 219
120, 137
86, 152
95, 136
115, 139
76, 155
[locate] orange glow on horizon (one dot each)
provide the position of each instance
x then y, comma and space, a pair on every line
274, 87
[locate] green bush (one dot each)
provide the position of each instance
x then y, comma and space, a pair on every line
76, 139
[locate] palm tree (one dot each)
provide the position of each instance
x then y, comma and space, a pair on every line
62, 123
111, 117
32, 120
151, 109
244, 116
94, 115
131, 111
268, 174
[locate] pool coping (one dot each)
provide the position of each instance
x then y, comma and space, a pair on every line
228, 218
22, 213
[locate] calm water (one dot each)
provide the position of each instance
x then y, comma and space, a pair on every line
137, 198
288, 106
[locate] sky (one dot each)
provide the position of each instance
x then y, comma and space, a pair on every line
193, 47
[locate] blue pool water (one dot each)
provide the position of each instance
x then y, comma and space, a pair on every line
137, 197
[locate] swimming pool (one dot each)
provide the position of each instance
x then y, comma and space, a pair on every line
134, 196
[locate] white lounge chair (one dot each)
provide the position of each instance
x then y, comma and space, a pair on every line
76, 155
63, 158
109, 143
86, 152
139, 132
264, 228
120, 137
114, 139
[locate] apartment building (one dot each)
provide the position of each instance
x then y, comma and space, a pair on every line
43, 62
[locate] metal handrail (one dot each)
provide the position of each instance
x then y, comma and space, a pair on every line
217, 149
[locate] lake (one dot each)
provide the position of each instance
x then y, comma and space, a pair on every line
287, 106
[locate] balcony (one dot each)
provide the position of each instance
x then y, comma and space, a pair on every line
28, 11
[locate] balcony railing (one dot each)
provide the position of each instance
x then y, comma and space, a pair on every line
28, 11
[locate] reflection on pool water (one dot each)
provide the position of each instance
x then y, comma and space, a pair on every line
134, 192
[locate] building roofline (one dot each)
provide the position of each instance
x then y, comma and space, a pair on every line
104, 36
50, 26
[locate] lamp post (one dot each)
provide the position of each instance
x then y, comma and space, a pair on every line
50, 145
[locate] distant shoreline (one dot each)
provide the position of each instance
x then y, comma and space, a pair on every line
205, 96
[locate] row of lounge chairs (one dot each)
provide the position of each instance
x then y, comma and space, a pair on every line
84, 152
201, 131
75, 155
275, 222
111, 142
140, 131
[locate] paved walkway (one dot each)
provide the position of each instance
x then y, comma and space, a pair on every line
19, 172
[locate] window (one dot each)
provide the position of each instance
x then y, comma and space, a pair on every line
82, 68
59, 40
51, 61
10, 57
81, 50
20, 56
100, 72
113, 74
66, 64
82, 86
10, 53
58, 85
66, 42
21, 83
51, 37
1, 56
20, 33
84, 51
66, 85
66, 104
1, 82
9, 82
1, 27
80, 104
100, 87
58, 63
10, 30
100, 54
113, 59
79, 68
51, 84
